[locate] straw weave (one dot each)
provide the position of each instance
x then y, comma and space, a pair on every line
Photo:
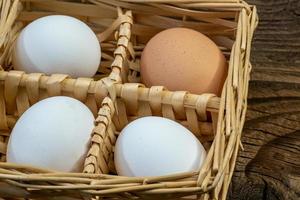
116, 97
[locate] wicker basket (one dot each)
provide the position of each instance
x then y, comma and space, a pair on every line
230, 23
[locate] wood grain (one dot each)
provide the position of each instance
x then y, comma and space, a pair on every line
269, 167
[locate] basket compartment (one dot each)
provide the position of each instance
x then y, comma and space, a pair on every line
134, 101
18, 91
110, 24
217, 20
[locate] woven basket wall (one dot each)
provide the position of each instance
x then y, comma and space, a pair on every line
116, 96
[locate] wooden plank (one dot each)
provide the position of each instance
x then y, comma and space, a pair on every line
269, 168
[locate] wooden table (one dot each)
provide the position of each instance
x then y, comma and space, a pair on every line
269, 167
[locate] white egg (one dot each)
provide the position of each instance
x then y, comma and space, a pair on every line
57, 44
54, 134
155, 146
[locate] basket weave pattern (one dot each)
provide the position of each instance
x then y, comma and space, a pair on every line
116, 96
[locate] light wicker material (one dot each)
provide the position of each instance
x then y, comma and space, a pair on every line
230, 23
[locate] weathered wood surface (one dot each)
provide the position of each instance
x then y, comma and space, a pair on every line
269, 168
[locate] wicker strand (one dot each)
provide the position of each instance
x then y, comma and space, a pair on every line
8, 15
97, 157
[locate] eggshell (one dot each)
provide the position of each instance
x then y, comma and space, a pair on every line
57, 44
154, 146
183, 59
53, 133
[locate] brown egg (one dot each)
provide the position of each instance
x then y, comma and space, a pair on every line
183, 59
